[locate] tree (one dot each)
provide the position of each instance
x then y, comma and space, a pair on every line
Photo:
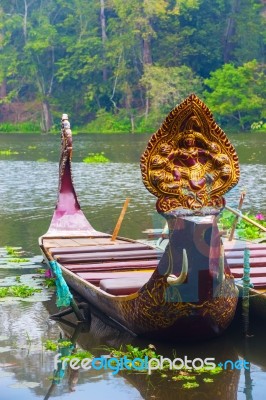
238, 93
167, 87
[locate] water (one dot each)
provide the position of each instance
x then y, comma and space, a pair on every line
27, 197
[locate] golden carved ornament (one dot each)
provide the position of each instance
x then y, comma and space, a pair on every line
189, 163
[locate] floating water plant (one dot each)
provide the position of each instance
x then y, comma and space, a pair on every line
7, 152
96, 158
18, 291
244, 229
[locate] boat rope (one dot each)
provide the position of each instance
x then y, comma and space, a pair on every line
63, 295
246, 287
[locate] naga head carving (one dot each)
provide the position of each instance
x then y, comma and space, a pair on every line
189, 163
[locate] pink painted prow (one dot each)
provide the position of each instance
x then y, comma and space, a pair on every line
68, 217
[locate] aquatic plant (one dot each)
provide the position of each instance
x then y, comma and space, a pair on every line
13, 251
18, 260
56, 345
244, 229
95, 158
18, 291
132, 352
8, 152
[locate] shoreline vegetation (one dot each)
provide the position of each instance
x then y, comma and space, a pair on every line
95, 128
120, 67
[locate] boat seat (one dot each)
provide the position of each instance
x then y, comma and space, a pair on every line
95, 249
112, 266
108, 255
253, 261
255, 271
96, 277
123, 286
233, 246
240, 253
258, 282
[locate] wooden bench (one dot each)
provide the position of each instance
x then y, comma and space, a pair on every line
122, 286
96, 277
95, 249
113, 266
108, 256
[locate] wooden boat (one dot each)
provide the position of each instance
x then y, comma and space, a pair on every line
186, 291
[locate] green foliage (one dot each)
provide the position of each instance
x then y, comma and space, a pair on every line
21, 127
49, 282
106, 122
11, 251
96, 158
18, 291
244, 229
124, 71
132, 352
53, 345
259, 126
238, 93
7, 152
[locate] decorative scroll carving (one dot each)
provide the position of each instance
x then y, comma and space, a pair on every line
189, 163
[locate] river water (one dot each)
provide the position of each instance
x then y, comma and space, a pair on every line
28, 191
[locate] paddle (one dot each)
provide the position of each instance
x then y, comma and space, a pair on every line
239, 214
241, 200
120, 219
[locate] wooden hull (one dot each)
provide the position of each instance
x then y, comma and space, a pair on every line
156, 308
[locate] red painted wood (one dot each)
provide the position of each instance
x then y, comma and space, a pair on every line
240, 253
113, 266
122, 286
255, 271
243, 246
259, 282
96, 277
95, 249
106, 256
254, 262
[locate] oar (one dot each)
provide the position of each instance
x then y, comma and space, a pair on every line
239, 214
240, 204
120, 219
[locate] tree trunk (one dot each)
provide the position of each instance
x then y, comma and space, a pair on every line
46, 116
230, 31
104, 36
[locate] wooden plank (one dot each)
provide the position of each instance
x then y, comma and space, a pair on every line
105, 256
243, 245
259, 282
113, 266
122, 286
95, 249
240, 253
96, 277
255, 271
254, 262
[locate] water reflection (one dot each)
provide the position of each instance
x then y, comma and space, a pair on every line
25, 365
28, 190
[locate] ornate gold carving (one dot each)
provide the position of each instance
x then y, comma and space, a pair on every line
189, 162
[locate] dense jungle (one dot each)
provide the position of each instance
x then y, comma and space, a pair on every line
121, 66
